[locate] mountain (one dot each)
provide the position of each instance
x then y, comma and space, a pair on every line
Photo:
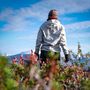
24, 56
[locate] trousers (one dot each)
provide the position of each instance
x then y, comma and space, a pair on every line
49, 55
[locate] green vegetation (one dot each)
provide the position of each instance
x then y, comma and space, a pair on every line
52, 75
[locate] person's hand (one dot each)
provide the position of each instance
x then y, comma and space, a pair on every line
66, 58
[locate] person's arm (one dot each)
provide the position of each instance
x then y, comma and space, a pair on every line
39, 42
63, 44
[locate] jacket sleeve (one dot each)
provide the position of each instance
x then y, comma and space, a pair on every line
39, 41
63, 41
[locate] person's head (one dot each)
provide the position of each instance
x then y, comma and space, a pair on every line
52, 14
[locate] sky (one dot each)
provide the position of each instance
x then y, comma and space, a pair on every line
20, 21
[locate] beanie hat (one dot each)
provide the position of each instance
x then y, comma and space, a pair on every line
52, 14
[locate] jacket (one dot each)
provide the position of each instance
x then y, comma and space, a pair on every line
51, 37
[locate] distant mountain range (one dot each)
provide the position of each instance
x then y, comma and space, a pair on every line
23, 55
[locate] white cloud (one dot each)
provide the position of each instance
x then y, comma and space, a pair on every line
17, 22
6, 14
78, 36
27, 37
78, 26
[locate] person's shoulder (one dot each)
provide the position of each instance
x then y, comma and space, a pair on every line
44, 24
61, 26
58, 22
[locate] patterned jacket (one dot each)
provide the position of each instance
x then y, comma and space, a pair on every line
51, 37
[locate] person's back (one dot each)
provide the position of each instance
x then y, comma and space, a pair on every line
51, 30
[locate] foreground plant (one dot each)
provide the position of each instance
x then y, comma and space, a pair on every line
50, 76
6, 76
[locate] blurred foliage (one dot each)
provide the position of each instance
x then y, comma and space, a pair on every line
6, 76
51, 75
85, 84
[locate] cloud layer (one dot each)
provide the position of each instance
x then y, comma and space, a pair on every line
78, 26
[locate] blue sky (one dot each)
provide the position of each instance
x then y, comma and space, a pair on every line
20, 21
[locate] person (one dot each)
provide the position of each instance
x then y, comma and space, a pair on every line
51, 38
